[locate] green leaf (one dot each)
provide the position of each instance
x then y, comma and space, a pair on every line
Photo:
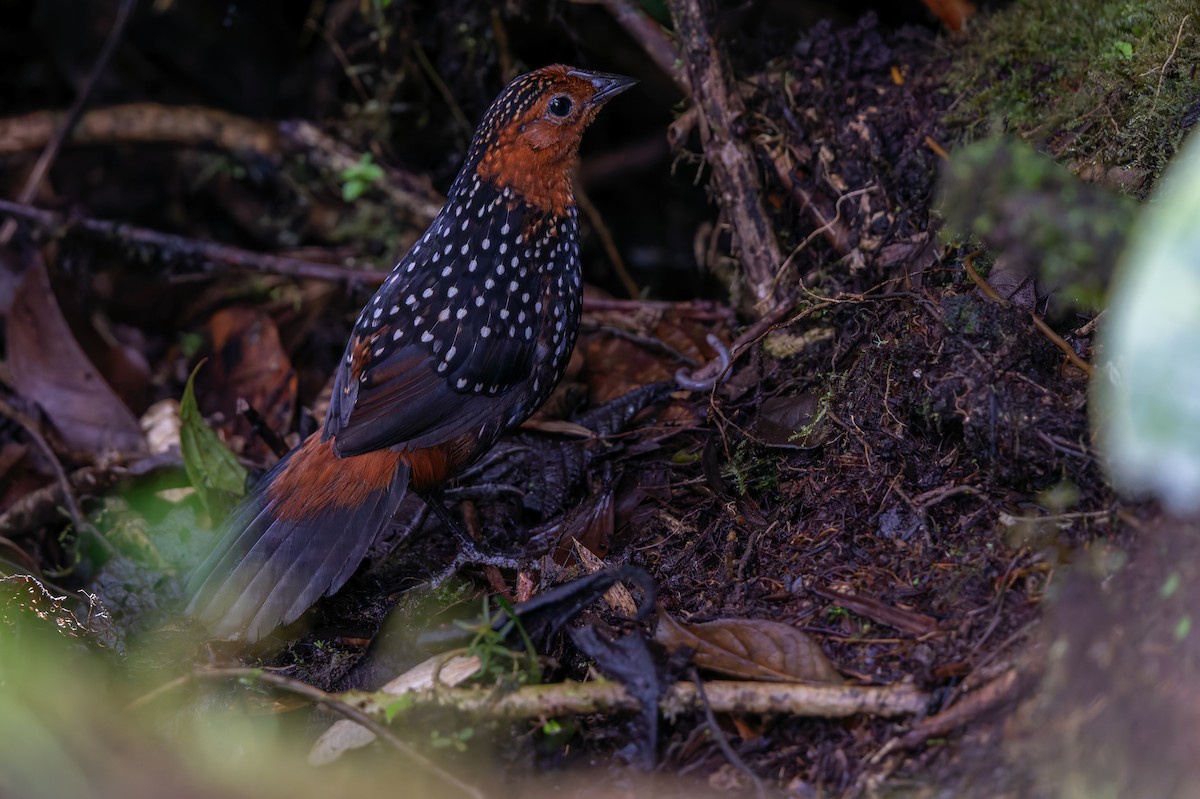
213, 470
1145, 391
353, 189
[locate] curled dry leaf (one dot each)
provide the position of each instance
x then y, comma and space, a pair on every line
50, 369
749, 649
792, 422
247, 362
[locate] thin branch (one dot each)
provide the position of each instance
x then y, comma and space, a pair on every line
180, 247
718, 735
606, 241
78, 520
649, 34
50, 153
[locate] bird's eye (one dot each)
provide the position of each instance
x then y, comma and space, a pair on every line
560, 106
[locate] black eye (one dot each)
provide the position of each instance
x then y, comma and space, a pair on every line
560, 106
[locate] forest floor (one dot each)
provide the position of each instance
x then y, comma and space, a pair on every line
895, 464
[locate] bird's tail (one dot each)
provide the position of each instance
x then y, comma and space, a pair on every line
300, 535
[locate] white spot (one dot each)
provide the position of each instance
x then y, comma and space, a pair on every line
437, 256
444, 315
478, 387
503, 247
445, 230
446, 272
377, 312
516, 261
461, 383
427, 293
503, 313
395, 309
464, 225
537, 306
486, 243
521, 316
410, 267
513, 285
410, 300
449, 247
504, 230
464, 249
528, 333
485, 331
471, 267
399, 332
443, 366
458, 212
479, 301
426, 337
450, 353
525, 297
378, 351
450, 292
489, 284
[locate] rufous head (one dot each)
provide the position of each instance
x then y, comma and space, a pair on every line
529, 138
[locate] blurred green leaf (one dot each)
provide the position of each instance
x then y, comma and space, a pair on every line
1145, 395
213, 470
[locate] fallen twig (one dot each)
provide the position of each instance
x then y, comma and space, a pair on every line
78, 520
1038, 321
43, 505
725, 696
206, 252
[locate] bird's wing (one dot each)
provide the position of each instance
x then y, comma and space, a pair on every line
438, 351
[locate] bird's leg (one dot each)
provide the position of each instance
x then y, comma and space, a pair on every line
483, 491
468, 551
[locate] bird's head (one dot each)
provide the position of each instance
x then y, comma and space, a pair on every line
529, 138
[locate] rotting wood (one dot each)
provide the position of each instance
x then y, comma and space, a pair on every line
735, 169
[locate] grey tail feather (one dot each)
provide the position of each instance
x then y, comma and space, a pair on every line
265, 572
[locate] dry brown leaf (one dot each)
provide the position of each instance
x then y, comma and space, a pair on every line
246, 361
953, 13
792, 422
749, 649
50, 369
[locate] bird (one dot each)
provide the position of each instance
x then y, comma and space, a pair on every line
464, 340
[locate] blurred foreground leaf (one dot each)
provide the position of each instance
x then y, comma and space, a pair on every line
1147, 396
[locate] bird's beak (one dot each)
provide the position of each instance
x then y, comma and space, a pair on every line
607, 85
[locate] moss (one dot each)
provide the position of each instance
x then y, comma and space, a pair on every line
1085, 79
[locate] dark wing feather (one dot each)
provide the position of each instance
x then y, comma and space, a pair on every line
439, 350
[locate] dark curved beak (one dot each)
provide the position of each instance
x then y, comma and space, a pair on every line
607, 85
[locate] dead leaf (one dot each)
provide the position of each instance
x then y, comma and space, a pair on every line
953, 13
50, 369
749, 649
247, 361
792, 422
